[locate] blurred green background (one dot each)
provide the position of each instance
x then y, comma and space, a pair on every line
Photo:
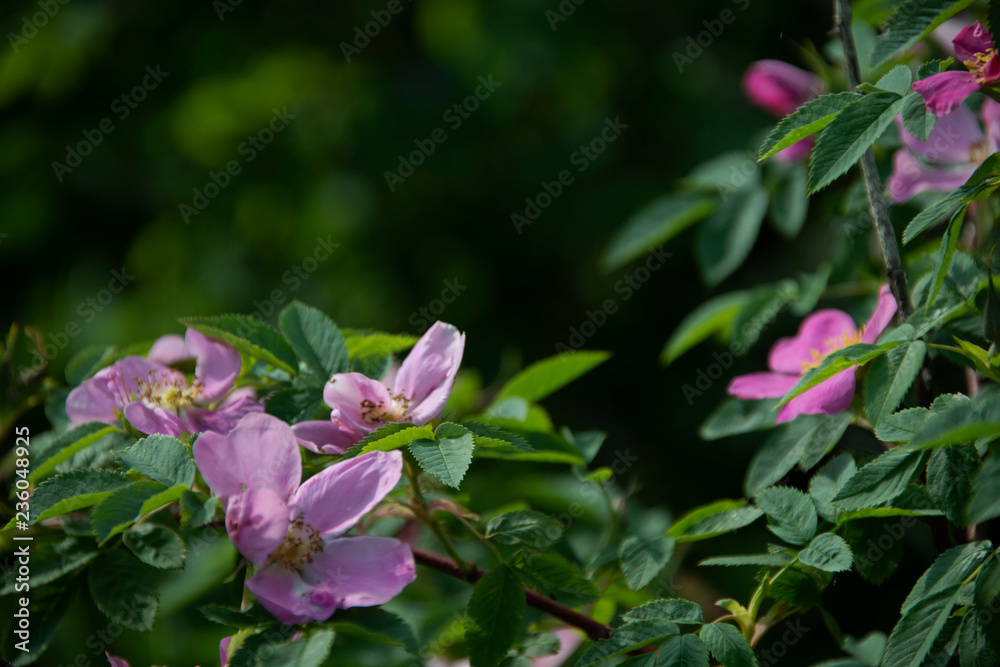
223, 71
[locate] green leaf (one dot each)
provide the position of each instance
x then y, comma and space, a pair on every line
917, 120
197, 509
124, 590
497, 438
389, 437
826, 483
376, 624
553, 576
66, 446
805, 439
532, 529
790, 202
857, 354
807, 120
122, 508
628, 638
734, 416
725, 239
946, 253
912, 21
546, 376
757, 560
50, 562
890, 377
981, 184
493, 618
161, 458
827, 552
976, 648
849, 135
156, 545
250, 336
985, 502
448, 457
728, 645
362, 343
880, 481
654, 225
949, 570
675, 610
897, 80
712, 520
272, 648
791, 514
683, 651
961, 421
917, 631
902, 426
878, 546
251, 617
949, 480
987, 582
316, 339
643, 558
710, 318
72, 491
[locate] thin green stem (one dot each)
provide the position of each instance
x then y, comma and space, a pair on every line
421, 513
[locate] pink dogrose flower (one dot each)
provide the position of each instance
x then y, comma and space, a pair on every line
415, 393
955, 147
780, 89
158, 399
292, 533
819, 334
944, 91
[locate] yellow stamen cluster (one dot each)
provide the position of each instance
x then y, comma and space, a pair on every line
832, 345
301, 543
978, 64
376, 413
171, 393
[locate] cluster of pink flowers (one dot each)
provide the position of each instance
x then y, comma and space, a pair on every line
292, 532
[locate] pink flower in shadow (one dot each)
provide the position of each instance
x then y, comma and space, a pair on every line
820, 334
780, 89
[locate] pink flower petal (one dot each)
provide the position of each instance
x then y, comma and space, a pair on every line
218, 364
362, 571
224, 649
972, 40
154, 420
257, 521
115, 661
820, 332
259, 453
945, 91
97, 398
357, 401
428, 372
778, 87
990, 112
325, 436
829, 397
954, 134
169, 350
289, 598
880, 319
910, 177
761, 385
233, 408
335, 499
796, 152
